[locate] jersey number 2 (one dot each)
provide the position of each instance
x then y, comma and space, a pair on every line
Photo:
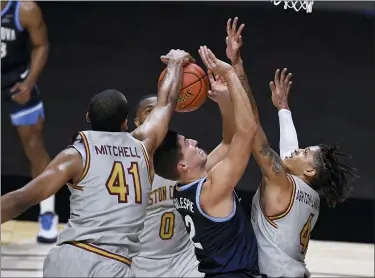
304, 236
116, 183
3, 50
189, 223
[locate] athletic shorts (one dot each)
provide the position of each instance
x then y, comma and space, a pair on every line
182, 265
21, 114
71, 261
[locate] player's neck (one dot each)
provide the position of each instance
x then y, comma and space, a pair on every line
193, 175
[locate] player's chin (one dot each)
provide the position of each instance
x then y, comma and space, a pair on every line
288, 163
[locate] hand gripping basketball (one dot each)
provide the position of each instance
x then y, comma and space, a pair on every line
194, 87
212, 63
177, 55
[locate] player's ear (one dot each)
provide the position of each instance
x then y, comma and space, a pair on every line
87, 117
309, 172
181, 166
136, 122
125, 124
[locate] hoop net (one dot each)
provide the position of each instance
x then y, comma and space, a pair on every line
296, 5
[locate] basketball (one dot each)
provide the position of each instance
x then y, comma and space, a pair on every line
194, 90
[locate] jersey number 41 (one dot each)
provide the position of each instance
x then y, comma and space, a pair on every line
116, 182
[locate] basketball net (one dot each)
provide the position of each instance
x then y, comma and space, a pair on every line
296, 5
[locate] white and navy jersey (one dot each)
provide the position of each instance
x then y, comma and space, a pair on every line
15, 54
222, 245
283, 239
164, 234
108, 204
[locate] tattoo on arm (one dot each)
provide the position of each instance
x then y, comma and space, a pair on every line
246, 86
267, 151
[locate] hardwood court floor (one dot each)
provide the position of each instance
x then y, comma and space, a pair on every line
21, 256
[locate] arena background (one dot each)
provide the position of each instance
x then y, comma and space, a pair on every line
95, 46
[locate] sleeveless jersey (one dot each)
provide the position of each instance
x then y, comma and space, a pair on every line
14, 44
108, 204
222, 245
283, 240
164, 234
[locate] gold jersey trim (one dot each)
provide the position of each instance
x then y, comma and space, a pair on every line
102, 252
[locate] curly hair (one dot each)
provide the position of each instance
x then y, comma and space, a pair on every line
332, 175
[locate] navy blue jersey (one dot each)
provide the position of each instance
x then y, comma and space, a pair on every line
222, 245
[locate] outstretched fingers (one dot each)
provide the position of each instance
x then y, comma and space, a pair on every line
276, 78
282, 78
208, 57
234, 26
204, 58
229, 28
272, 86
239, 31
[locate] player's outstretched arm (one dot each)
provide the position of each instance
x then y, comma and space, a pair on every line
155, 127
219, 94
225, 175
65, 167
267, 159
288, 134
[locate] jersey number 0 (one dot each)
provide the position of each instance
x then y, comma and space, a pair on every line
167, 225
116, 183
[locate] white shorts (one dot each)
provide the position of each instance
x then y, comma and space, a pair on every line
182, 265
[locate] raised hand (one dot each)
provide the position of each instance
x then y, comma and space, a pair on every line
233, 40
280, 88
212, 63
177, 55
219, 89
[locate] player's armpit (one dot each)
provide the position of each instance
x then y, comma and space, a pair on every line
269, 161
225, 175
66, 166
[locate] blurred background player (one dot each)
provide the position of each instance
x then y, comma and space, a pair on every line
223, 237
109, 175
22, 22
286, 205
167, 250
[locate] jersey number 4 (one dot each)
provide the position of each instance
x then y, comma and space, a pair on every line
304, 236
116, 183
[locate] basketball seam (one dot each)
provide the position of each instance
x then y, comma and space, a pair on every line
199, 79
192, 103
200, 89
195, 95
